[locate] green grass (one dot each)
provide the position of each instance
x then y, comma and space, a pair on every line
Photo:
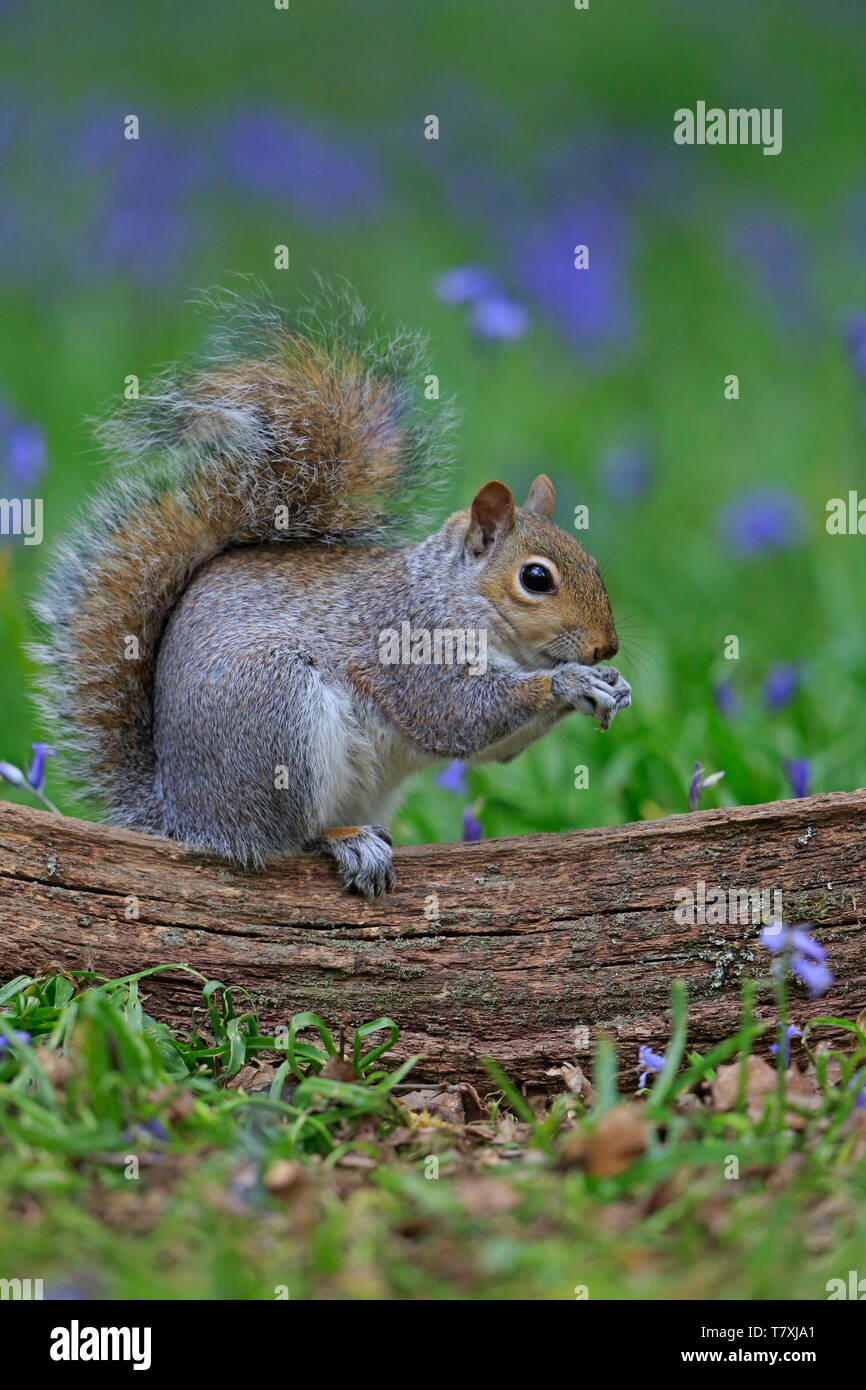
137, 1163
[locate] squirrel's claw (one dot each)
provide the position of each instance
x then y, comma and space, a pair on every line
364, 859
599, 691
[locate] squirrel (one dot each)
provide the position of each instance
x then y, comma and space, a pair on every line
238, 643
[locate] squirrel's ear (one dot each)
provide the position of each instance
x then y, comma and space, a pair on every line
542, 497
492, 516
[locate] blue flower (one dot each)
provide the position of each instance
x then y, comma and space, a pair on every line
591, 308
465, 284
854, 335
790, 1032
761, 520
798, 773
802, 953
26, 452
328, 176
18, 1036
499, 319
781, 685
726, 697
697, 784
624, 473
36, 775
650, 1061
453, 778
471, 826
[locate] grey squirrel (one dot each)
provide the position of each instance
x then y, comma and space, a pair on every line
239, 652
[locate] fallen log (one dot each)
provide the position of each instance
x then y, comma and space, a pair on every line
522, 949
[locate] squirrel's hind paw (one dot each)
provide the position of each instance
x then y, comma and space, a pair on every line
363, 854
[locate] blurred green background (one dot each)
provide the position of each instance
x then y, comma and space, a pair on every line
306, 127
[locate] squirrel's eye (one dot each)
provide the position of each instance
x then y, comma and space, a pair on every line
537, 579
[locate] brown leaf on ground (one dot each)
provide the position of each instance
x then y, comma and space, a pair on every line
486, 1196
575, 1081
760, 1082
618, 1139
441, 1105
338, 1069
284, 1178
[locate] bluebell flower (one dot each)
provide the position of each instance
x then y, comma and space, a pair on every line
471, 826
790, 1032
650, 1061
453, 778
327, 176
780, 260
804, 955
18, 1036
697, 784
854, 335
781, 684
465, 284
35, 779
592, 309
10, 773
762, 520
816, 976
498, 319
36, 775
26, 452
726, 697
798, 773
624, 473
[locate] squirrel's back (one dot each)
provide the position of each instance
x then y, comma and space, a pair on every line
303, 429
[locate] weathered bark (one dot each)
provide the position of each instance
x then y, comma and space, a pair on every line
501, 948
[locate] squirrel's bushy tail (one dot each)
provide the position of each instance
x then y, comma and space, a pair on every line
290, 429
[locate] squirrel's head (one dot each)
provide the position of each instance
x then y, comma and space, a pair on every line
544, 586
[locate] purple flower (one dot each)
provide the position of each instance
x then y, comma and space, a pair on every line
591, 308
650, 1061
471, 826
10, 773
790, 1032
780, 262
498, 319
815, 976
697, 784
465, 284
453, 778
798, 773
805, 956
726, 697
778, 937
781, 685
327, 177
624, 473
26, 452
36, 775
859, 1080
854, 335
17, 1036
761, 520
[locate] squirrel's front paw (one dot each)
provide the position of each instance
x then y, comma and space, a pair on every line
363, 855
599, 691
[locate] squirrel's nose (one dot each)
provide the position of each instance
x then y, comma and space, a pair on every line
607, 649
